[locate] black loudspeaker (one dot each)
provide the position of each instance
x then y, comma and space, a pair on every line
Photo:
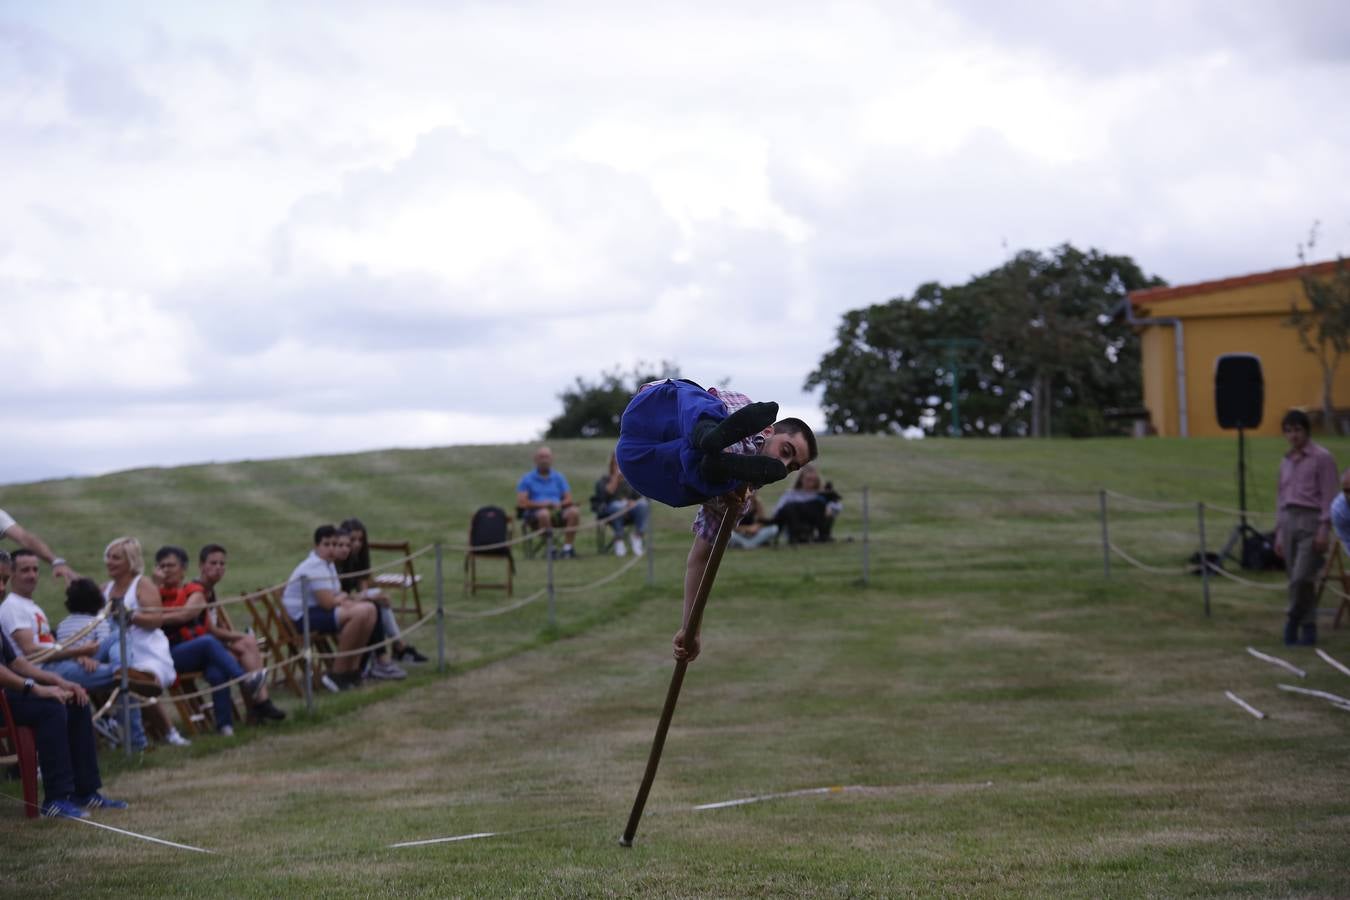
1239, 390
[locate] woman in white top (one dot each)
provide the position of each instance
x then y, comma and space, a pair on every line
147, 645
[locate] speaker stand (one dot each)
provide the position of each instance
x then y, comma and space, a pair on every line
1241, 530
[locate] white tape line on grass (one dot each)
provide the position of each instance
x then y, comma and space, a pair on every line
1244, 704
1335, 699
1276, 661
837, 789
144, 837
448, 840
1331, 662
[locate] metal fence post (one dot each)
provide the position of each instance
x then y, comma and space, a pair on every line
651, 552
123, 620
866, 538
552, 613
1204, 555
440, 612
309, 662
1106, 540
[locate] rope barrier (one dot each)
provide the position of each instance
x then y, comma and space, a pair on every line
373, 648
1139, 565
1156, 504
499, 611
54, 647
1219, 570
573, 589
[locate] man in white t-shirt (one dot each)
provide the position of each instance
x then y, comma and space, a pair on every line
315, 584
29, 541
26, 625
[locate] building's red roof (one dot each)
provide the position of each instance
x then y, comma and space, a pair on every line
1154, 295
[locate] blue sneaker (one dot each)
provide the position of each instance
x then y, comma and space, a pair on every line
54, 809
98, 801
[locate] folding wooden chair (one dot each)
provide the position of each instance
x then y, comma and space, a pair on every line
282, 644
18, 745
404, 581
1336, 560
196, 713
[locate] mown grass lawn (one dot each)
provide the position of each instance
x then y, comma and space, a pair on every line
1007, 720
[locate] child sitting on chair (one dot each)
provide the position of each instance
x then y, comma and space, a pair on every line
682, 445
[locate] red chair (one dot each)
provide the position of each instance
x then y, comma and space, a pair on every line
17, 744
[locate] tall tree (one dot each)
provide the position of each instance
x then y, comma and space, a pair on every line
594, 410
1323, 328
1039, 353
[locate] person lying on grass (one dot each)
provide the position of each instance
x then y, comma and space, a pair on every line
683, 445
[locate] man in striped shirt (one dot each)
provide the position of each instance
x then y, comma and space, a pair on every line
684, 445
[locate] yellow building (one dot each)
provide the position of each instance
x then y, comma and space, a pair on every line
1198, 323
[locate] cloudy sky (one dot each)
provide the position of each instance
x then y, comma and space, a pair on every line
251, 230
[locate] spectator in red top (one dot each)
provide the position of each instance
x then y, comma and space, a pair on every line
191, 645
202, 594
1308, 484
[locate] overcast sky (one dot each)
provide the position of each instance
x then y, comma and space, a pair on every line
251, 230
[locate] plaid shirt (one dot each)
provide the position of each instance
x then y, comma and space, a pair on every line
710, 514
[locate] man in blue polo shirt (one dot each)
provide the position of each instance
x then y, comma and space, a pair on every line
545, 498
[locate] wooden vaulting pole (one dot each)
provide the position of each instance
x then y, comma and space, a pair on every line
736, 500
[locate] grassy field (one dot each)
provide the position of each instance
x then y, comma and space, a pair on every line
1006, 720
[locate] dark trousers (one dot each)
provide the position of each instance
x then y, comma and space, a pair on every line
66, 750
804, 522
208, 655
1298, 531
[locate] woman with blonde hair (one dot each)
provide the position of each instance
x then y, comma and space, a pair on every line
147, 645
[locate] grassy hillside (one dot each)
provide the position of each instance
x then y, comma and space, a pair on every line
1008, 721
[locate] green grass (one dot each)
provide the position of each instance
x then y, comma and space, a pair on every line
1019, 725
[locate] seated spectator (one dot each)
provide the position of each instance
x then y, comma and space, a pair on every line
544, 499
377, 663
614, 496
58, 712
25, 624
354, 571
84, 601
147, 645
191, 644
753, 530
243, 645
806, 512
331, 611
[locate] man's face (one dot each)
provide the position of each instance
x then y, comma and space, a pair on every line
213, 569
169, 572
1296, 436
790, 449
342, 547
543, 461
325, 549
5, 572
25, 579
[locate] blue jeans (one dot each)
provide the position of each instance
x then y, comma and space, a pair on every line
637, 516
101, 677
67, 753
207, 655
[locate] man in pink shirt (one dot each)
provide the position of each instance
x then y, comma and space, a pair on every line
1308, 484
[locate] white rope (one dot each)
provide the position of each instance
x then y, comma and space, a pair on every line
1276, 661
375, 648
44, 652
1332, 662
1147, 568
499, 611
603, 581
1156, 504
1219, 570
143, 837
1244, 704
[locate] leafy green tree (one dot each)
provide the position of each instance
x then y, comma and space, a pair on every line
594, 410
1323, 328
1046, 355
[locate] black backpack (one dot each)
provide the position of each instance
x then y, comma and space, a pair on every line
488, 526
